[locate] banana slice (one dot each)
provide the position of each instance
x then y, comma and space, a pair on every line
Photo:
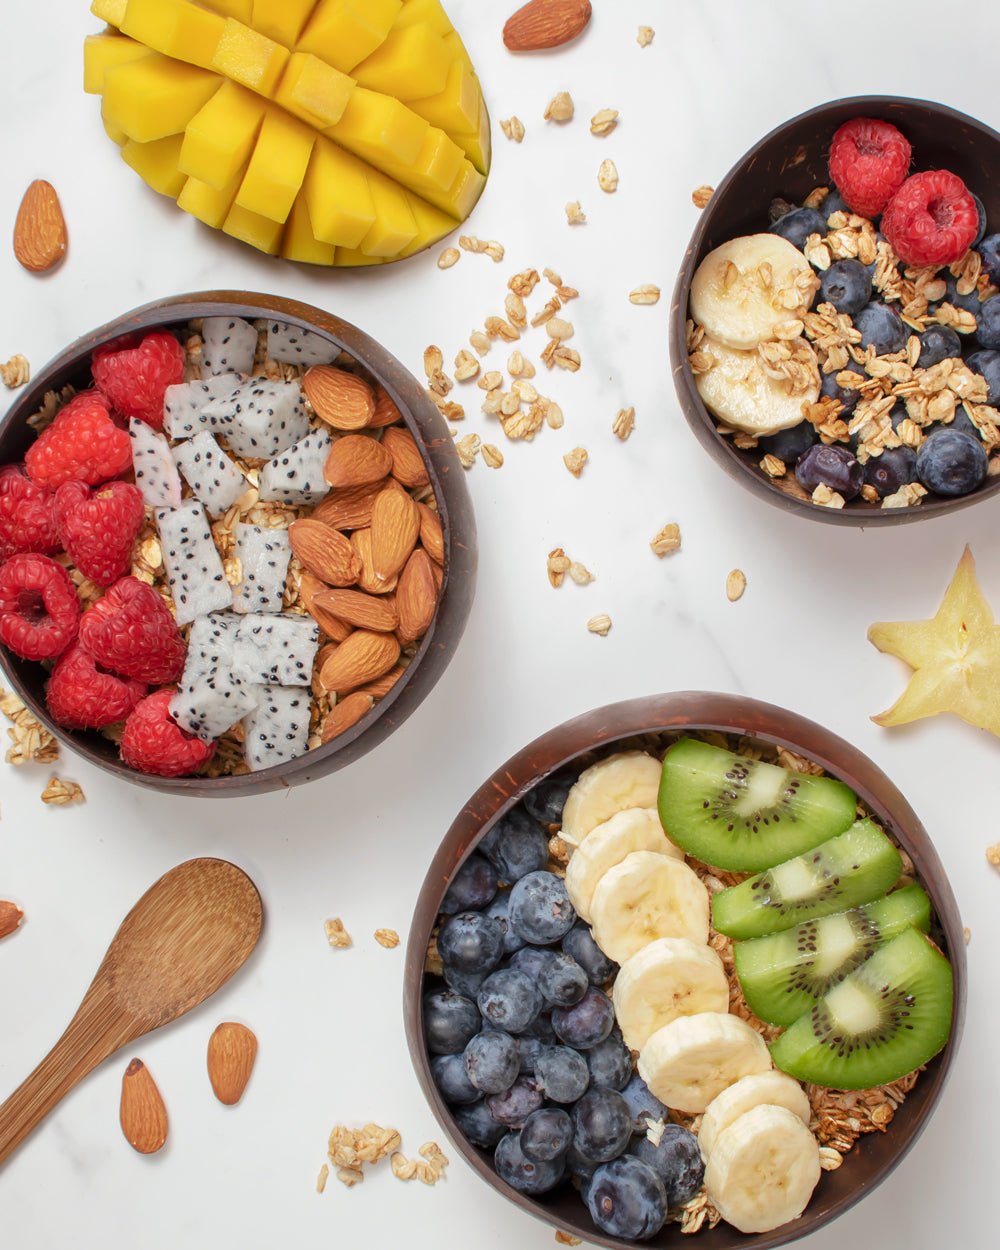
645, 897
743, 392
776, 1089
693, 1059
763, 1169
628, 779
743, 291
670, 977
634, 829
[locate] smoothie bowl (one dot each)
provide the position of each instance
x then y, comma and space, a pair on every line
635, 1043
237, 546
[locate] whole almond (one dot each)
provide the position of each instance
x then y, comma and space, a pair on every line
543, 24
361, 541
339, 398
345, 713
431, 532
324, 552
356, 460
407, 463
395, 528
354, 607
309, 590
40, 228
142, 1115
381, 686
386, 412
11, 915
232, 1049
360, 658
350, 507
416, 596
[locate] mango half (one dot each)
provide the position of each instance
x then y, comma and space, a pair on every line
333, 132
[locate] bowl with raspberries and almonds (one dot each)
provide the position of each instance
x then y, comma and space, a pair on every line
835, 326
236, 544
632, 950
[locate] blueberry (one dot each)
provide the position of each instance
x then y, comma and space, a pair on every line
497, 910
529, 960
798, 225
465, 983
546, 1134
517, 845
492, 1062
676, 1160
602, 1124
987, 364
528, 1050
987, 331
967, 300
881, 327
642, 1104
580, 1165
579, 944
509, 1000
961, 421
989, 250
833, 466
514, 1105
609, 1062
452, 1079
829, 386
470, 942
895, 467
790, 443
951, 463
832, 202
981, 227
526, 1175
561, 979
938, 343
546, 798
539, 909
847, 285
472, 887
541, 1027
478, 1125
627, 1199
585, 1023
561, 1073
450, 1021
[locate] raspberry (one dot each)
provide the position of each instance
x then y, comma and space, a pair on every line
27, 521
134, 378
868, 162
98, 527
82, 444
932, 219
131, 631
82, 696
152, 743
39, 610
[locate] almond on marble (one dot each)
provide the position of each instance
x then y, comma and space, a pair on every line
141, 1113
232, 1049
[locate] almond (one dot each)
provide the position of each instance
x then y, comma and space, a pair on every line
382, 685
40, 228
416, 596
359, 659
309, 589
142, 1114
232, 1049
438, 571
345, 713
11, 915
356, 460
431, 532
324, 552
361, 541
339, 398
407, 463
366, 611
395, 528
350, 507
386, 412
543, 24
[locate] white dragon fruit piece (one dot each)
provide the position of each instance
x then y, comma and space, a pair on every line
213, 477
183, 404
297, 346
228, 345
209, 698
276, 649
295, 476
277, 730
262, 418
194, 567
155, 471
263, 554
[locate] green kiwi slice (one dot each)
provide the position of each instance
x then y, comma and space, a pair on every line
743, 815
855, 867
882, 1021
783, 974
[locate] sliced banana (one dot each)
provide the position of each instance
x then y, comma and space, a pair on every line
670, 977
744, 392
776, 1089
745, 290
645, 897
628, 779
634, 829
693, 1059
763, 1169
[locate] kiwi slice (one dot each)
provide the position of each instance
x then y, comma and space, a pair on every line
882, 1021
855, 867
742, 814
783, 974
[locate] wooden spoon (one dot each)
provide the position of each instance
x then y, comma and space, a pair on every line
182, 940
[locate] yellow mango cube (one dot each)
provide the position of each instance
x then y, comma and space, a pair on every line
300, 243
313, 91
432, 224
344, 32
260, 232
338, 196
242, 10
456, 108
457, 50
477, 145
156, 163
100, 51
411, 63
155, 96
249, 58
429, 12
378, 128
209, 204
178, 28
110, 11
219, 138
277, 166
114, 132
353, 257
281, 20
465, 191
394, 225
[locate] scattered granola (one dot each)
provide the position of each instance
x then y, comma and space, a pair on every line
566, 1239
558, 566
493, 249
322, 1178
388, 938
466, 366
448, 257
429, 1169
600, 624
666, 540
575, 460
607, 176
492, 455
579, 573
336, 934
467, 448
513, 128
350, 1149
61, 793
736, 583
701, 195
15, 372
993, 854
624, 423
648, 293
645, 36
30, 739
575, 215
559, 108
603, 122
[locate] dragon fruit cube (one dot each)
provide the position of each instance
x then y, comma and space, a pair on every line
213, 477
262, 418
194, 567
263, 555
295, 476
277, 729
297, 346
277, 649
210, 699
184, 404
228, 345
155, 471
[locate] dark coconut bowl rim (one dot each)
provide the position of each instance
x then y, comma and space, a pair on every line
790, 161
421, 418
611, 727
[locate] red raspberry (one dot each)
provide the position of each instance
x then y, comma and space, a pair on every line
130, 630
134, 378
82, 444
932, 219
98, 528
82, 696
27, 521
868, 162
152, 743
39, 610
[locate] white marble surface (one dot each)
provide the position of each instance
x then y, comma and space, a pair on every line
332, 1049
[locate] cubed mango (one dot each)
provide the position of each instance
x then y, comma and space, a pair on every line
253, 228
337, 193
219, 138
209, 204
155, 96
277, 166
394, 225
377, 127
156, 163
281, 20
300, 243
100, 51
250, 58
428, 12
242, 10
344, 32
313, 91
412, 62
110, 11
456, 108
178, 28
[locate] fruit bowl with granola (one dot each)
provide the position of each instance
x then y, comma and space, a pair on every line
685, 966
835, 324
236, 545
